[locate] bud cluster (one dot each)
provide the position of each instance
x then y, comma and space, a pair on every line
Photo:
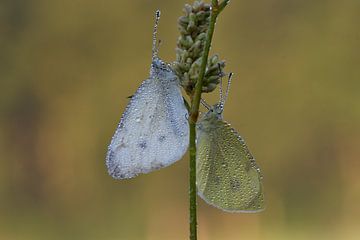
190, 47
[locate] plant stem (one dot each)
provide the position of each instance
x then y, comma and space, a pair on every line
194, 113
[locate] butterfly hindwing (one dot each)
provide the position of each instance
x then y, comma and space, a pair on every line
153, 130
227, 175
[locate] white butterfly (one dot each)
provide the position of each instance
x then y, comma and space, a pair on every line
153, 131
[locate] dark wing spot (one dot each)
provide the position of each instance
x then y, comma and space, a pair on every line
113, 168
235, 184
117, 173
142, 145
161, 138
111, 156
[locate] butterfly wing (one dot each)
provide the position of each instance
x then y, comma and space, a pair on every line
153, 130
227, 175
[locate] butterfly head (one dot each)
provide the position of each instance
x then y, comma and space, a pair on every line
209, 119
215, 112
161, 69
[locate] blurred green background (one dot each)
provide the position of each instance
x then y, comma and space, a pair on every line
67, 67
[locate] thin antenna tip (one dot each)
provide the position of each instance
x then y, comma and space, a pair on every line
155, 48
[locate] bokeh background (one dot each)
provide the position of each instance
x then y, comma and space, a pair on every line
67, 67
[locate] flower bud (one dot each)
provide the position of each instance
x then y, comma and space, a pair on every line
190, 48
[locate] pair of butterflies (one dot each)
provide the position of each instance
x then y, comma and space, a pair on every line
154, 132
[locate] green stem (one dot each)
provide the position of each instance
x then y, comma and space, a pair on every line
194, 114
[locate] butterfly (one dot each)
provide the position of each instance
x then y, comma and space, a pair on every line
153, 131
227, 174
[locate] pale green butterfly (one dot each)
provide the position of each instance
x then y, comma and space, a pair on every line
227, 174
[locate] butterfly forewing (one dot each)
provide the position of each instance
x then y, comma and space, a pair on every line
153, 130
227, 175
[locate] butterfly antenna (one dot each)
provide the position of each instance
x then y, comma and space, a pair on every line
220, 85
228, 87
155, 46
205, 104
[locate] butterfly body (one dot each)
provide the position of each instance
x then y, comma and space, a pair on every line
227, 175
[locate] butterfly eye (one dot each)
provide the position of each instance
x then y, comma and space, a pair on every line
165, 66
